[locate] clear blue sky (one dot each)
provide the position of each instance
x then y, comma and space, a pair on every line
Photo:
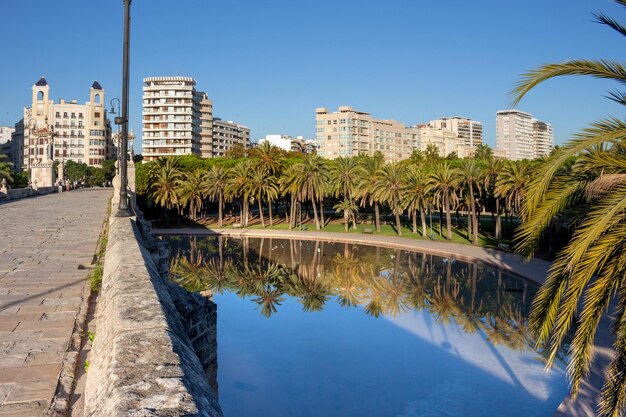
269, 64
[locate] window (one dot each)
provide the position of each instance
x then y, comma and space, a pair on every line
65, 114
58, 114
97, 114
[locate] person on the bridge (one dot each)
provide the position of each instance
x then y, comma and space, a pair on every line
60, 185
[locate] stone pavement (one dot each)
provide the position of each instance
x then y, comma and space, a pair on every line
43, 240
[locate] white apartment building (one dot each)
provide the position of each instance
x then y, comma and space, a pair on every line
228, 134
290, 144
80, 132
519, 136
348, 132
177, 119
451, 134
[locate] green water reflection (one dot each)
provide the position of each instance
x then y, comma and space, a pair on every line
381, 281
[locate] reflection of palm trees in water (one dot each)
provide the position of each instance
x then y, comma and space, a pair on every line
382, 281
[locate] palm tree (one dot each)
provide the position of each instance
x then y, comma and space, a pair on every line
367, 183
268, 157
415, 195
239, 187
469, 174
166, 180
216, 185
389, 187
263, 186
349, 209
597, 248
491, 171
192, 191
442, 181
511, 185
5, 169
313, 176
346, 174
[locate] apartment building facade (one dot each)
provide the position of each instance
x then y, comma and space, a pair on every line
451, 134
65, 130
177, 119
348, 132
520, 136
290, 144
227, 135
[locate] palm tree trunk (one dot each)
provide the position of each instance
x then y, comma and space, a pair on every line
469, 225
498, 223
261, 213
269, 206
448, 220
353, 214
397, 213
441, 220
423, 218
346, 220
414, 221
317, 222
474, 219
322, 220
219, 210
377, 214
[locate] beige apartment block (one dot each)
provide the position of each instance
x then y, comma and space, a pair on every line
445, 140
348, 132
116, 140
80, 132
227, 135
520, 136
175, 118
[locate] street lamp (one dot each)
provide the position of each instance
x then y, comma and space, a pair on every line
30, 119
117, 139
123, 208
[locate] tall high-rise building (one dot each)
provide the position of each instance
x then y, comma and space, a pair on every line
348, 132
80, 132
177, 119
519, 136
227, 135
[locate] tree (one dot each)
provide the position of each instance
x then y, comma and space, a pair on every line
263, 186
597, 248
389, 188
367, 184
108, 168
345, 174
511, 184
166, 180
415, 195
314, 177
491, 172
239, 186
6, 172
193, 190
216, 185
442, 182
469, 174
483, 152
268, 157
349, 209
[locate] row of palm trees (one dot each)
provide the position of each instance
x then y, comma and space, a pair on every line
415, 186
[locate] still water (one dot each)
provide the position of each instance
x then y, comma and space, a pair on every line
320, 329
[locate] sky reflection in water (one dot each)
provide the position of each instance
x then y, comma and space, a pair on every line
330, 329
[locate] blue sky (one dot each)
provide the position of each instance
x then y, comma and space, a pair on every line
269, 64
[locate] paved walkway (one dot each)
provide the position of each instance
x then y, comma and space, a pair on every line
43, 241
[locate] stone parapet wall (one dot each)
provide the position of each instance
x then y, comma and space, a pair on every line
143, 362
15, 193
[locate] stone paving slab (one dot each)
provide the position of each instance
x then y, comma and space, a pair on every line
43, 241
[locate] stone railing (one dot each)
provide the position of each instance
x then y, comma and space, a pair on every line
15, 193
144, 361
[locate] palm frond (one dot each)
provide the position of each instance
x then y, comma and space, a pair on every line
610, 22
617, 96
602, 68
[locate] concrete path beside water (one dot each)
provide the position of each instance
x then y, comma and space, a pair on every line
43, 241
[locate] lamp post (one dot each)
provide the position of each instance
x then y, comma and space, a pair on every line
118, 138
30, 119
123, 208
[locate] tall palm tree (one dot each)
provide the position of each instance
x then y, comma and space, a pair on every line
263, 186
348, 209
216, 186
367, 183
312, 177
415, 195
239, 186
597, 248
389, 187
511, 185
166, 180
469, 175
268, 157
491, 172
442, 181
193, 190
345, 175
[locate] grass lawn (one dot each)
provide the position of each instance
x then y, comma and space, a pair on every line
336, 225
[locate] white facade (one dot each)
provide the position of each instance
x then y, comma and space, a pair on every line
290, 144
81, 131
519, 136
227, 135
5, 134
280, 141
177, 119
